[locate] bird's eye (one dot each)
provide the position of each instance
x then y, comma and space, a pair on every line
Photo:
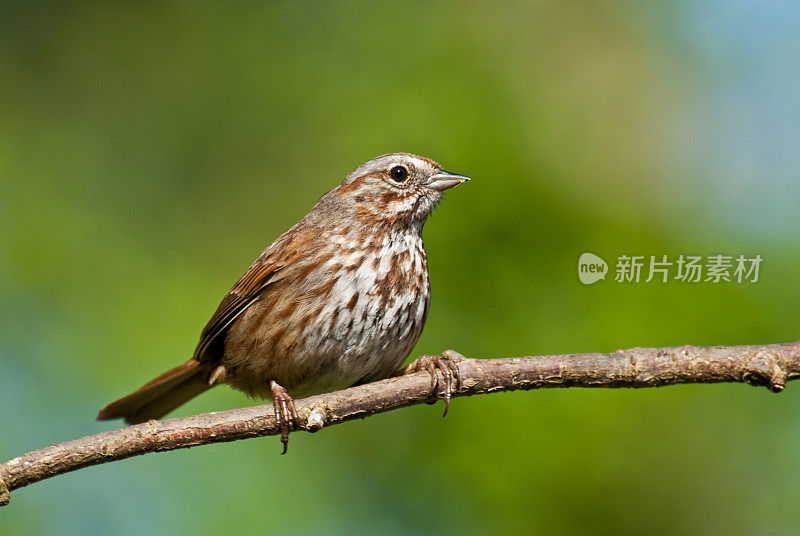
399, 173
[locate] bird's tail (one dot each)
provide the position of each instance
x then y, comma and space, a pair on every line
160, 395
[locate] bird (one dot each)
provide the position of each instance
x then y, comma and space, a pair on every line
338, 300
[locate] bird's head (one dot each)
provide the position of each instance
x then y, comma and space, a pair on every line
399, 187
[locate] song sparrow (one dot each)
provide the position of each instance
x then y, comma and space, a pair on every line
337, 300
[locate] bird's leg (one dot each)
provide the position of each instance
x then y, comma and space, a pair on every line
285, 412
447, 364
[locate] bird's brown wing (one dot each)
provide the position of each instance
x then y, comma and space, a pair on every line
274, 264
258, 277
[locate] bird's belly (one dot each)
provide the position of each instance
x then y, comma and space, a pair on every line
360, 329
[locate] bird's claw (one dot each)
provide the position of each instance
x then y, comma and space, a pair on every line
285, 412
447, 365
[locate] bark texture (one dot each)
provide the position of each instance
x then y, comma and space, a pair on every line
770, 365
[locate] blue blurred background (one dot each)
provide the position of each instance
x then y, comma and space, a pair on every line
150, 151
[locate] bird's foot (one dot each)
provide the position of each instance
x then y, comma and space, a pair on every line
285, 412
447, 364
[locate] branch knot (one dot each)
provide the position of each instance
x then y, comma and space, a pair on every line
316, 419
764, 369
4, 495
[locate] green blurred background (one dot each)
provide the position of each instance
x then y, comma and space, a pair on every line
150, 151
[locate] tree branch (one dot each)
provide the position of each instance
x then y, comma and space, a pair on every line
769, 365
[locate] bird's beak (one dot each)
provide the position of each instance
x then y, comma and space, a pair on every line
445, 180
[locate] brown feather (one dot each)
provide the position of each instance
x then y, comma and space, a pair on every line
257, 278
160, 395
